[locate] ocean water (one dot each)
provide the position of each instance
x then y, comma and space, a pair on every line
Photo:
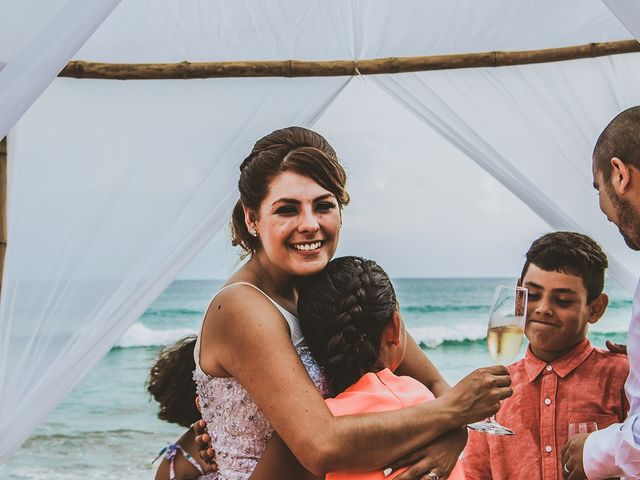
107, 427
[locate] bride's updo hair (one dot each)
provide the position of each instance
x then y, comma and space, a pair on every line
293, 148
343, 311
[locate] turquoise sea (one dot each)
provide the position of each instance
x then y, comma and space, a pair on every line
107, 427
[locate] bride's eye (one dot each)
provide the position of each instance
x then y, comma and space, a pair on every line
325, 206
287, 210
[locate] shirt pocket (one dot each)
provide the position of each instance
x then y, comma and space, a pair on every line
603, 420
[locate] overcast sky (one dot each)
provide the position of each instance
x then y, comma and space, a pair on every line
419, 206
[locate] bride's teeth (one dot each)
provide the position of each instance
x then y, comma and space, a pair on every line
308, 246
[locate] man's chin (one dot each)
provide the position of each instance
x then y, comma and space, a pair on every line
632, 245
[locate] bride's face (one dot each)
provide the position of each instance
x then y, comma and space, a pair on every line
298, 224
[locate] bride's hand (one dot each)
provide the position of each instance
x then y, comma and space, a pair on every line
439, 457
477, 396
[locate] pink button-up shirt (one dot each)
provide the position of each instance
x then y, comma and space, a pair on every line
585, 385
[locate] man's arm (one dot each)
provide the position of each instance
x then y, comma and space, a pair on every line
614, 451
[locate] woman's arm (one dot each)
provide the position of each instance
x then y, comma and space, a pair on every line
245, 335
417, 365
277, 461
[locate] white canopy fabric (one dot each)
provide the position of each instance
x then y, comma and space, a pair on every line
114, 186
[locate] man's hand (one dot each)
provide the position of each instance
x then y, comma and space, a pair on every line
572, 466
203, 442
616, 347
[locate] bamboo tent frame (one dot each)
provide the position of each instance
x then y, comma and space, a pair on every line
333, 68
295, 68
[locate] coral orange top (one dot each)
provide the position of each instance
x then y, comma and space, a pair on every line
380, 392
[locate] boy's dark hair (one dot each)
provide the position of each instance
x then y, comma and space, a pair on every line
171, 383
343, 311
572, 253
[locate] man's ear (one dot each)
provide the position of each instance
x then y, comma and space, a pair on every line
393, 330
620, 176
597, 307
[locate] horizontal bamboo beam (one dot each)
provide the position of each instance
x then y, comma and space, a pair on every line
336, 68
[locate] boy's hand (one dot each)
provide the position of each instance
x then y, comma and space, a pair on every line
616, 347
203, 442
440, 457
572, 452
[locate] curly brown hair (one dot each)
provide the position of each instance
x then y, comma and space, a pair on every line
171, 383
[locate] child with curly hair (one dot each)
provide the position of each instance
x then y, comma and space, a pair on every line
171, 385
350, 317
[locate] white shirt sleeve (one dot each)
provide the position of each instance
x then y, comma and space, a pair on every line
614, 451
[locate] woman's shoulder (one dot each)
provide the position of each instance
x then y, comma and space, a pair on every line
239, 298
241, 308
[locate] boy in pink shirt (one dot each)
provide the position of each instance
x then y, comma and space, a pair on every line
563, 379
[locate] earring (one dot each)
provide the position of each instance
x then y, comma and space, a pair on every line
253, 232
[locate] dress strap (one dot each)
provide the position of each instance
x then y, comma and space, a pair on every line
170, 452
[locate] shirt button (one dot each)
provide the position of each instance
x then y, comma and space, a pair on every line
549, 368
548, 449
547, 401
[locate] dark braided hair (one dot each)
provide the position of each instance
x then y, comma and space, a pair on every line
293, 148
343, 311
171, 383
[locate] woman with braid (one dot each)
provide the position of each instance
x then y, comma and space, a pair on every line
351, 320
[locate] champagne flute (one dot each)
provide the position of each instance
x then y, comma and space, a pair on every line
581, 427
504, 339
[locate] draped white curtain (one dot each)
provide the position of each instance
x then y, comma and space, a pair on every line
114, 186
533, 128
628, 12
36, 40
107, 222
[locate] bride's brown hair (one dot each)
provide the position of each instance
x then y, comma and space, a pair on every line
293, 148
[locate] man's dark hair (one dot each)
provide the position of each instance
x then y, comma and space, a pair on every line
572, 253
621, 139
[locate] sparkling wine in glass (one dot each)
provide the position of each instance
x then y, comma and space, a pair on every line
581, 427
504, 339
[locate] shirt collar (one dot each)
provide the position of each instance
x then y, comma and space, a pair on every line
563, 366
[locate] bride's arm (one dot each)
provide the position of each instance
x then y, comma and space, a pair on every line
246, 336
417, 365
277, 461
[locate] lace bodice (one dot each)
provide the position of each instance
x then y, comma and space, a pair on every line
239, 431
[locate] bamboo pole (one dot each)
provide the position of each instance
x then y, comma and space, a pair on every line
3, 205
334, 68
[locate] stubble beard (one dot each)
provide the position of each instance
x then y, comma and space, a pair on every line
628, 222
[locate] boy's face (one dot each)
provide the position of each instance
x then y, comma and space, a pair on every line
558, 314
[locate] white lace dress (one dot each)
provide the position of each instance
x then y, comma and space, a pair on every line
238, 429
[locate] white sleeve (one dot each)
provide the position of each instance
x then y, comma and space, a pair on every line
614, 451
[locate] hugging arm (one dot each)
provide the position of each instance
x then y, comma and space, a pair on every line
417, 365
277, 461
250, 340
